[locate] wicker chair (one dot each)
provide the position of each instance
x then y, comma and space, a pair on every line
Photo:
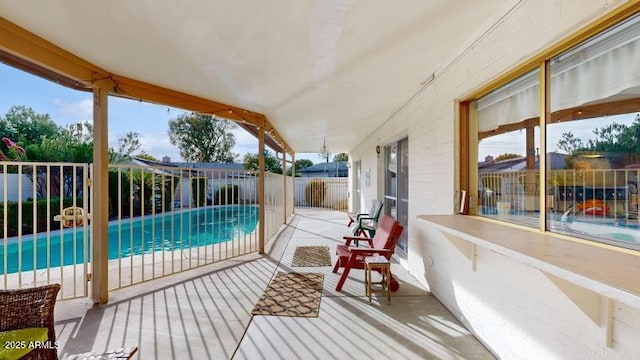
27, 308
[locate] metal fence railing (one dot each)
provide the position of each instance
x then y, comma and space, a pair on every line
167, 219
275, 201
329, 193
163, 220
516, 193
45, 229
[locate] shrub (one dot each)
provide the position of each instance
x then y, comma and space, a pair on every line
314, 193
125, 196
119, 193
27, 215
228, 194
341, 205
199, 190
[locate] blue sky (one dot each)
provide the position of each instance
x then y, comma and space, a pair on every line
66, 106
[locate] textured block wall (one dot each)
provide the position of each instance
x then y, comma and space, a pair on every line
518, 311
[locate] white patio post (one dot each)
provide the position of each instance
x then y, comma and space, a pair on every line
99, 208
261, 197
284, 193
293, 182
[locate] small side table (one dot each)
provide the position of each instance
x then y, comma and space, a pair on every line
384, 266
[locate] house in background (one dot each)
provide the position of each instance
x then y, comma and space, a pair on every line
217, 170
326, 169
217, 175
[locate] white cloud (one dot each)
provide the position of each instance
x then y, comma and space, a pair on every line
73, 112
82, 108
154, 144
245, 143
158, 146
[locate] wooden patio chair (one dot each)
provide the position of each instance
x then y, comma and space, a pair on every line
383, 243
30, 309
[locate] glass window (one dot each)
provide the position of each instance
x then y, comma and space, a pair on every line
391, 180
508, 146
592, 142
593, 136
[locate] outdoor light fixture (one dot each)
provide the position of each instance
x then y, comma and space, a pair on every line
378, 150
325, 152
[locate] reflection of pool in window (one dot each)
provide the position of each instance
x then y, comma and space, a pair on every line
619, 232
622, 232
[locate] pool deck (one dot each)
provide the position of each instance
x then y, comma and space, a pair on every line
205, 313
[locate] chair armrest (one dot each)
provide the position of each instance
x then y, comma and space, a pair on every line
361, 251
349, 239
361, 214
372, 222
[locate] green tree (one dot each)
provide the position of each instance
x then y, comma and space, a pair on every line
24, 126
629, 139
271, 163
203, 138
143, 155
614, 138
300, 164
341, 157
506, 156
569, 143
73, 143
127, 145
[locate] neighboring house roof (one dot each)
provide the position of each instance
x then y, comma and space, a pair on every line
227, 170
328, 168
216, 165
141, 161
556, 161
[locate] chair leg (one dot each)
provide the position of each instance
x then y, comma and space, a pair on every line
343, 278
337, 266
394, 284
345, 273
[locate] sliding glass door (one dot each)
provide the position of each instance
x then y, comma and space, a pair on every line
396, 189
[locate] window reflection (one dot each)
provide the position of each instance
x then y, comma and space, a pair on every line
595, 125
592, 142
508, 164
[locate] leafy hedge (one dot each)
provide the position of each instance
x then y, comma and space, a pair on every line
228, 194
199, 190
124, 196
27, 215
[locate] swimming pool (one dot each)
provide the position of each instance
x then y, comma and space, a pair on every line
169, 231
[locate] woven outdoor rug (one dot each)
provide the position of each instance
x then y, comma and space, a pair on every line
306, 256
291, 294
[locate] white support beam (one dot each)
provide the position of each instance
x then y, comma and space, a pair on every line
261, 197
284, 192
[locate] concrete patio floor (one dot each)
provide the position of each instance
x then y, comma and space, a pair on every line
206, 313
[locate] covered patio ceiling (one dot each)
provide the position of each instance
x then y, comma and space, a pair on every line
315, 68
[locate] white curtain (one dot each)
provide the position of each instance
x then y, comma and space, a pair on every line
510, 104
603, 69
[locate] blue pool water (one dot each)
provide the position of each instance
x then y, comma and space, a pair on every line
180, 230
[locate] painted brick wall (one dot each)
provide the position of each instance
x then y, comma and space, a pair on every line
518, 311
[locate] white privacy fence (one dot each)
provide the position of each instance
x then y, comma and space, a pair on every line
163, 220
329, 193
